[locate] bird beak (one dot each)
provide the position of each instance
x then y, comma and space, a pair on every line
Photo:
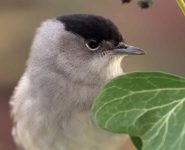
124, 49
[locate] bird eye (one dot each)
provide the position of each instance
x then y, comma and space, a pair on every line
92, 45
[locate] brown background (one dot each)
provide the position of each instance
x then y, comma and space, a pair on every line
159, 30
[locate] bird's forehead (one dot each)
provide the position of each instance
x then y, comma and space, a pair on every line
91, 27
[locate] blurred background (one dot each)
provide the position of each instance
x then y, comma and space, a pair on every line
159, 30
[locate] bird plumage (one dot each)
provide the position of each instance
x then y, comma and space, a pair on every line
51, 103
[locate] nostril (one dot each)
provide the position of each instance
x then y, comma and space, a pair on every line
125, 46
122, 45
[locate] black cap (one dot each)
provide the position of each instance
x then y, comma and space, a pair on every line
91, 27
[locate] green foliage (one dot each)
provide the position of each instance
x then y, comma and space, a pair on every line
149, 106
137, 142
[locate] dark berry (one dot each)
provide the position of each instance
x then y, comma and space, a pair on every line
143, 4
125, 1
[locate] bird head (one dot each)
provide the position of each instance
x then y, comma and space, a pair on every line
87, 49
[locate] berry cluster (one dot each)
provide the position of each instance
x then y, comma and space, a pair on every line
142, 3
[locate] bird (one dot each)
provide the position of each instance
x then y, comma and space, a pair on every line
71, 58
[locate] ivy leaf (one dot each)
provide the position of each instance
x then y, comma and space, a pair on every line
146, 105
137, 142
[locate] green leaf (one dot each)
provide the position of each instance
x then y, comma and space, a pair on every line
148, 105
137, 142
